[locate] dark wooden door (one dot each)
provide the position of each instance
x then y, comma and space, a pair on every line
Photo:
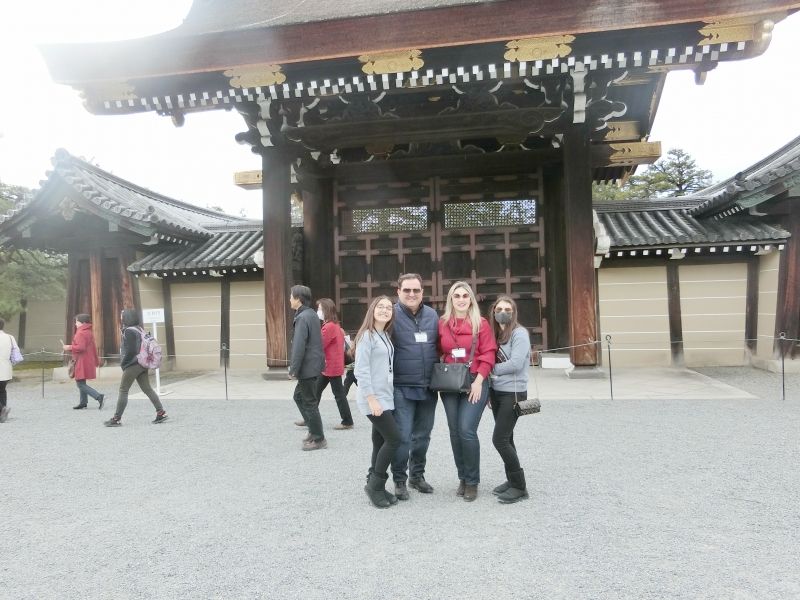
483, 230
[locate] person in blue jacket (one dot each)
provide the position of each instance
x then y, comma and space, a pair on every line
415, 335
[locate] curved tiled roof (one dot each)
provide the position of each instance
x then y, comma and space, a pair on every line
121, 201
765, 179
663, 223
228, 248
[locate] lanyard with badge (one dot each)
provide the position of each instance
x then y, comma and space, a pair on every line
390, 351
420, 337
458, 352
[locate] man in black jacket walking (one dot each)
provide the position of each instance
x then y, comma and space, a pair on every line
306, 363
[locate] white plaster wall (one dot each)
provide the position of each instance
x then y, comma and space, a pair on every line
634, 311
767, 303
713, 304
196, 323
248, 330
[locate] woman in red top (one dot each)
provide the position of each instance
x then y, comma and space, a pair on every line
84, 353
333, 346
460, 327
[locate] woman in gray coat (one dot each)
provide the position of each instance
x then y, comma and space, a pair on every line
509, 383
374, 371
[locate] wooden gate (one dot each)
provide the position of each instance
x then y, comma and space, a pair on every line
486, 231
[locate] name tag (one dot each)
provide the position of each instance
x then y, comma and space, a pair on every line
421, 337
391, 378
458, 353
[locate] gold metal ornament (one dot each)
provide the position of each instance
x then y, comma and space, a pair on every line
541, 48
754, 28
109, 91
403, 61
255, 76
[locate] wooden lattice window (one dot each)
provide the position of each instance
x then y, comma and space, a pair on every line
382, 220
496, 213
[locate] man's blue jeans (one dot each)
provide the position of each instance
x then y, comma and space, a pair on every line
414, 422
463, 418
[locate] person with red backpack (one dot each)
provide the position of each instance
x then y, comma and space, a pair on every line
133, 337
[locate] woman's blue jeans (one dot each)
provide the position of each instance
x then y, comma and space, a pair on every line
463, 418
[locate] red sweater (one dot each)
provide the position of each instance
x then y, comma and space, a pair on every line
333, 346
458, 334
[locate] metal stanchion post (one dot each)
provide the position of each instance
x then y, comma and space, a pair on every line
783, 366
42, 362
610, 374
225, 355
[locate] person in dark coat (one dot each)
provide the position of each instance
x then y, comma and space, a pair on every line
84, 353
133, 371
306, 362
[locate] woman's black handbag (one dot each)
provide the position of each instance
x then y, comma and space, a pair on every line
453, 377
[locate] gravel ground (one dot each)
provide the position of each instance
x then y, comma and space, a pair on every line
629, 499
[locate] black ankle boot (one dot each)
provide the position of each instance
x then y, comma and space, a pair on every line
376, 490
517, 490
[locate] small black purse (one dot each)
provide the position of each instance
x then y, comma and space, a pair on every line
527, 407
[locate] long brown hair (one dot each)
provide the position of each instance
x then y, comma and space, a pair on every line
369, 320
328, 310
503, 335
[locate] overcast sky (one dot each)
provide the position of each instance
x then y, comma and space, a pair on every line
744, 111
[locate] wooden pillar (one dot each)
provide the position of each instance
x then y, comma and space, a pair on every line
787, 318
276, 192
556, 261
675, 315
73, 295
169, 324
96, 281
225, 321
751, 308
318, 238
581, 291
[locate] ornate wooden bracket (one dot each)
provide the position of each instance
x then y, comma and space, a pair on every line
754, 28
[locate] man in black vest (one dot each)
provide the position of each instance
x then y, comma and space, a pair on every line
415, 333
306, 362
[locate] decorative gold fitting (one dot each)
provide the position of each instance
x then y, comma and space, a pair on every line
633, 153
255, 76
541, 48
403, 61
755, 28
109, 91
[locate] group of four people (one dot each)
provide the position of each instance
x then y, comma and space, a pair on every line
396, 348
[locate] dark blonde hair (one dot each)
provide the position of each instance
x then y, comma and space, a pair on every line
503, 335
328, 310
369, 319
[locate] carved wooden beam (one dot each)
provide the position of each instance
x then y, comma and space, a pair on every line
627, 131
625, 154
248, 180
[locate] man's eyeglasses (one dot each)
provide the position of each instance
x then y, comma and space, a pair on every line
411, 290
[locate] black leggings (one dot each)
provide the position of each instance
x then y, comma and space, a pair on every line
504, 421
385, 440
3, 395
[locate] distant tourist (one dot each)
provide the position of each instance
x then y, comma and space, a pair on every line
465, 337
84, 353
374, 370
333, 347
414, 334
509, 383
306, 362
7, 344
133, 371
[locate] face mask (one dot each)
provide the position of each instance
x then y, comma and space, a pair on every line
320, 314
504, 318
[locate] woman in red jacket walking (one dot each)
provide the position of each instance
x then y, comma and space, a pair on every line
333, 346
466, 337
84, 353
